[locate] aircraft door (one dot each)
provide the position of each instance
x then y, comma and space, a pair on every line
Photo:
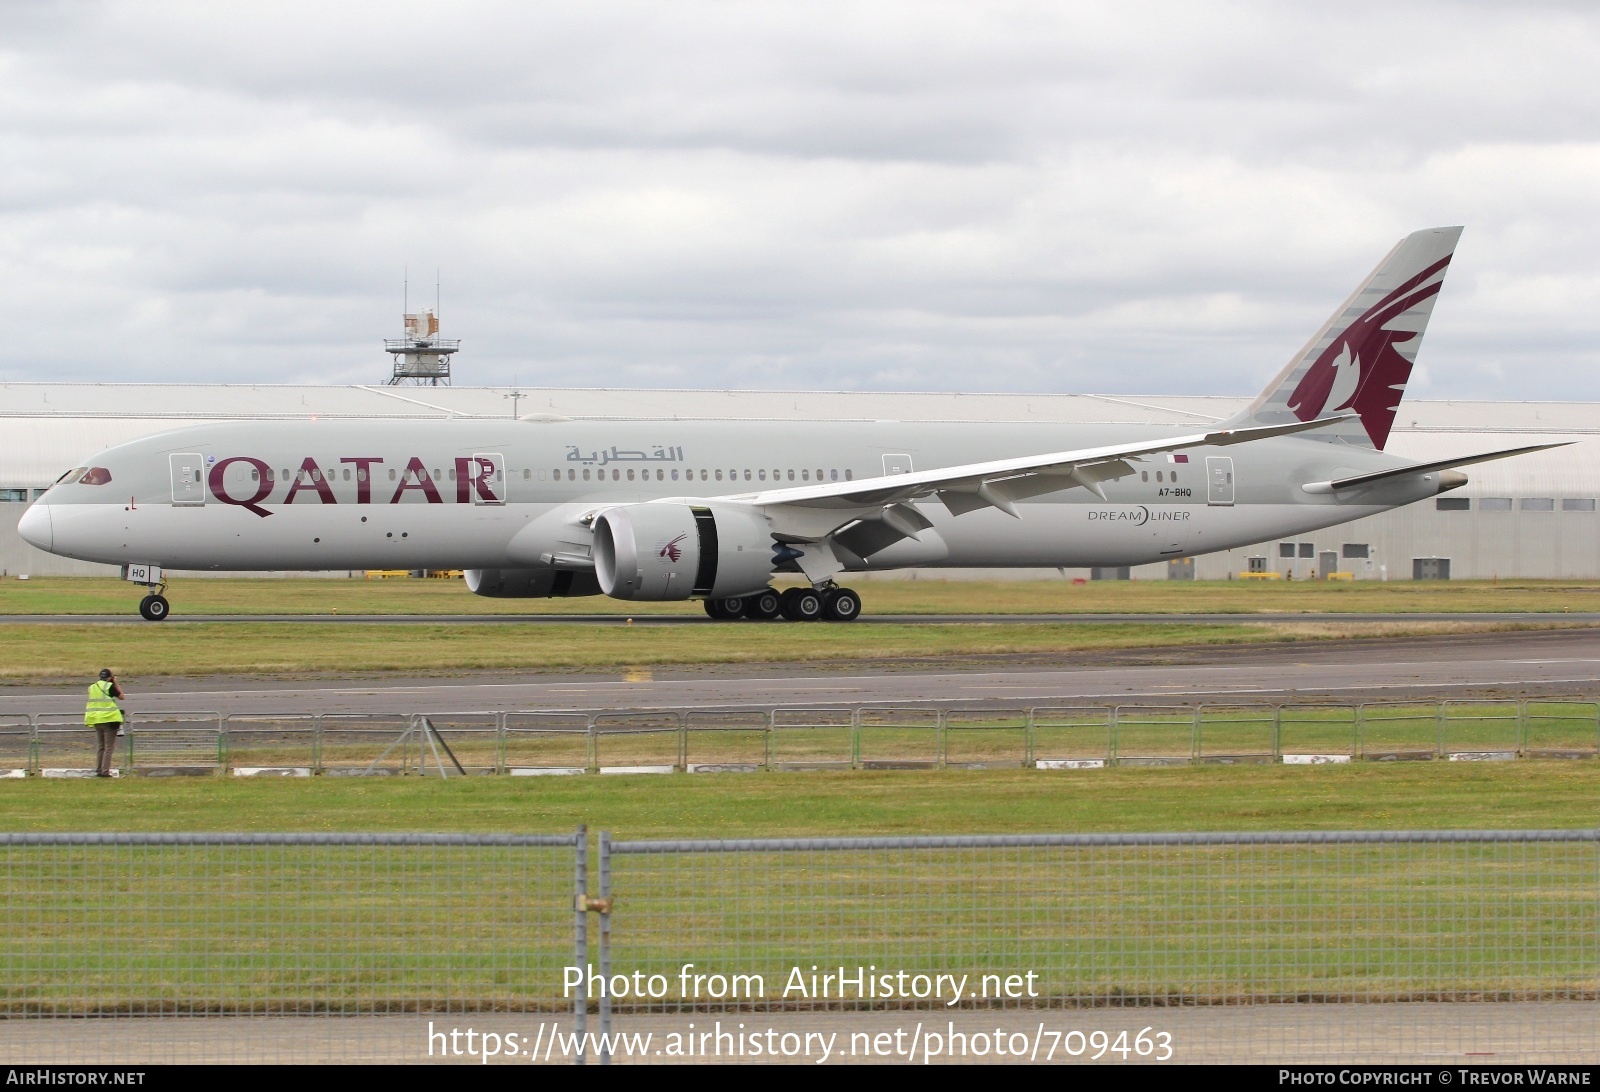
1219, 479
896, 464
187, 488
487, 476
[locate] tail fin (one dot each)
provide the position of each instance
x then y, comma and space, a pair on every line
1361, 359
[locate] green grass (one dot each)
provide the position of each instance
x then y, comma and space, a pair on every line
360, 930
1423, 795
40, 651
198, 596
45, 652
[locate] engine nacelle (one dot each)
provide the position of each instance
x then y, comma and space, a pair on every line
673, 551
530, 583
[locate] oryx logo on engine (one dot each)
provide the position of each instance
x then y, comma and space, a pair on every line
671, 552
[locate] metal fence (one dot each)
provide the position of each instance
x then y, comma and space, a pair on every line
1256, 946
1241, 946
281, 924
140, 931
528, 743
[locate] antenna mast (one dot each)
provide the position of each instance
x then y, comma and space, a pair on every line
421, 357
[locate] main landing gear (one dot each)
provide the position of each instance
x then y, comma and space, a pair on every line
796, 604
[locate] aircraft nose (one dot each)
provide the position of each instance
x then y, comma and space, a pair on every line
35, 527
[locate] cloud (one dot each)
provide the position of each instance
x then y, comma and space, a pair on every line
1150, 198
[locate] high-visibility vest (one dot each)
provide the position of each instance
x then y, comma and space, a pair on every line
102, 708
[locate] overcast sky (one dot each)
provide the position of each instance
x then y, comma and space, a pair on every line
1136, 198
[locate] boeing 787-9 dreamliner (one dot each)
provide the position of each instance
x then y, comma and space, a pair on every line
711, 510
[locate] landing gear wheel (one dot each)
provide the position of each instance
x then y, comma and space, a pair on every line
154, 608
725, 610
802, 605
763, 606
841, 605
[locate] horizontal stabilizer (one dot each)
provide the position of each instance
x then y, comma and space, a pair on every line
1359, 480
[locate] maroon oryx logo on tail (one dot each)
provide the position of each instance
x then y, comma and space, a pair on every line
1363, 369
671, 551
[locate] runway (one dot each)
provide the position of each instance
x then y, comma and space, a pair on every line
1515, 618
1514, 664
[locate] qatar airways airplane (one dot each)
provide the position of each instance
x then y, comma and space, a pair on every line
711, 510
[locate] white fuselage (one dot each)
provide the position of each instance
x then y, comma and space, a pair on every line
486, 494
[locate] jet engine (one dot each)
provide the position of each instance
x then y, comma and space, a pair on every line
673, 551
530, 583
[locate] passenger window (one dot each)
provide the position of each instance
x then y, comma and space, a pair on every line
805, 475
1144, 475
791, 475
1174, 477
849, 475
661, 475
586, 474
391, 474
719, 475
833, 475
361, 475
1158, 475
702, 475
762, 474
452, 473
436, 476
347, 474
674, 475
616, 475
255, 475
747, 475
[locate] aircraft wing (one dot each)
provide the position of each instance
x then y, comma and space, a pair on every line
1001, 482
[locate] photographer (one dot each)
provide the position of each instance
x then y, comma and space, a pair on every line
104, 715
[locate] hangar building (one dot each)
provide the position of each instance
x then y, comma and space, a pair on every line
1531, 516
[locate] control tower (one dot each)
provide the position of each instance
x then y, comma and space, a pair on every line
422, 357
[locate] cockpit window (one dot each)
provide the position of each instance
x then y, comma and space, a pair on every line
95, 475
73, 474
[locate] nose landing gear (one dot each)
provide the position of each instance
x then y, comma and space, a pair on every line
154, 606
